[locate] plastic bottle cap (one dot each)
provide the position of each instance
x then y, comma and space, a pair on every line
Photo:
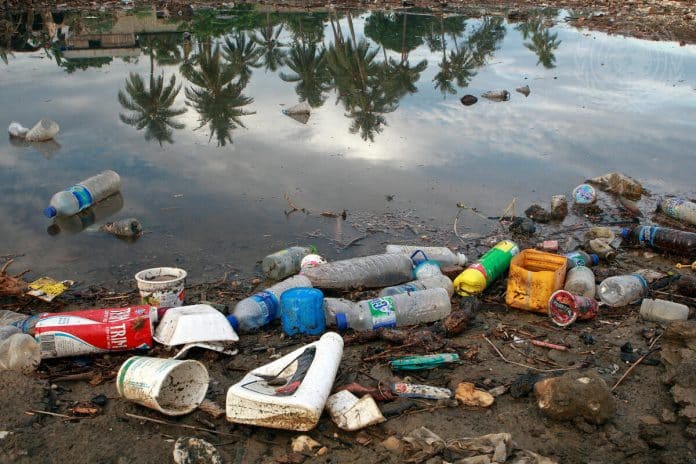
50, 212
625, 232
595, 259
341, 321
461, 259
233, 322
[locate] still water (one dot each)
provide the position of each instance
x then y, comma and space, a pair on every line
189, 112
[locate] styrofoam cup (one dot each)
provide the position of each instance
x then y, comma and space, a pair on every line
166, 293
170, 386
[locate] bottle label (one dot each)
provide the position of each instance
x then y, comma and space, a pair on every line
268, 304
383, 312
647, 234
409, 288
670, 206
577, 259
82, 195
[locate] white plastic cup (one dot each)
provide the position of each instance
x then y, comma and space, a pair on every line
162, 286
170, 386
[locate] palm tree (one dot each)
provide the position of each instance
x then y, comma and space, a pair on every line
215, 94
272, 49
310, 72
243, 54
151, 107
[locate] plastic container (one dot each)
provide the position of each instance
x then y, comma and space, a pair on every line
534, 276
284, 263
129, 227
19, 352
581, 281
564, 308
664, 239
162, 286
170, 386
397, 310
679, 208
350, 413
263, 307
584, 194
622, 290
488, 268
580, 258
290, 392
96, 213
365, 272
602, 248
83, 195
443, 255
193, 324
663, 311
302, 311
43, 131
427, 269
439, 281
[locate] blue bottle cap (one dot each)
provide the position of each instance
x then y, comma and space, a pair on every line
625, 232
233, 322
595, 259
341, 321
50, 212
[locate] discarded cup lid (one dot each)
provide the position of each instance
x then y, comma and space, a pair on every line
195, 323
584, 194
562, 308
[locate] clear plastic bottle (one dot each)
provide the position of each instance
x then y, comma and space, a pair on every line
19, 352
284, 263
664, 239
397, 310
679, 208
663, 311
427, 269
581, 281
84, 194
364, 272
443, 255
263, 307
622, 290
12, 318
580, 258
333, 306
438, 281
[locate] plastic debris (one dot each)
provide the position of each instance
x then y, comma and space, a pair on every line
584, 194
43, 131
350, 413
47, 289
17, 130
618, 184
523, 90
468, 100
467, 394
409, 390
129, 227
496, 95
304, 444
191, 450
421, 362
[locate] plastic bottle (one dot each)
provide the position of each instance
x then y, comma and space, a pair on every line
439, 281
19, 352
284, 263
364, 272
581, 281
12, 318
489, 267
397, 310
263, 307
663, 311
84, 194
333, 306
663, 238
602, 248
427, 269
580, 258
622, 290
679, 208
443, 255
43, 131
78, 222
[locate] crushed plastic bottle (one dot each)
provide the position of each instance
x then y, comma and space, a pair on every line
83, 195
129, 227
581, 281
679, 208
488, 268
622, 290
396, 310
19, 352
284, 263
263, 307
438, 281
43, 131
580, 258
443, 255
364, 272
663, 239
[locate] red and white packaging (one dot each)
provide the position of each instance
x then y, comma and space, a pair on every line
95, 331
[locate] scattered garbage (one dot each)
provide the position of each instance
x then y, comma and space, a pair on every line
285, 263
663, 239
438, 281
172, 387
311, 260
364, 272
192, 450
129, 227
443, 255
534, 276
548, 245
564, 308
19, 352
162, 286
47, 289
618, 184
580, 280
523, 90
584, 194
580, 258
467, 394
350, 413
622, 290
304, 444
573, 395
42, 131
663, 311
489, 267
83, 195
420, 362
302, 311
496, 95
289, 393
468, 100
679, 208
410, 390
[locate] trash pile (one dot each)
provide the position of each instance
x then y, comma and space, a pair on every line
412, 289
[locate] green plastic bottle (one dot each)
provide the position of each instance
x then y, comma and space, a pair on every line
475, 278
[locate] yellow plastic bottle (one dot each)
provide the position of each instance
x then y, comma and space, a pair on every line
475, 278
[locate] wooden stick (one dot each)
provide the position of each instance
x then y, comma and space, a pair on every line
525, 365
31, 412
184, 426
640, 360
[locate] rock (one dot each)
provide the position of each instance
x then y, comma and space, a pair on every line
523, 90
191, 450
468, 395
468, 100
573, 395
304, 444
522, 226
523, 385
393, 444
653, 432
690, 431
537, 214
456, 322
668, 416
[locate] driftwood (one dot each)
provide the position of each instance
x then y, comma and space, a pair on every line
11, 285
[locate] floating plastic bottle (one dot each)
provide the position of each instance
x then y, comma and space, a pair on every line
488, 268
19, 352
43, 131
679, 208
663, 239
364, 272
581, 281
397, 310
84, 194
284, 263
263, 307
580, 258
94, 214
663, 311
622, 290
443, 255
439, 281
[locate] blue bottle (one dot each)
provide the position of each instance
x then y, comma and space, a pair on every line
302, 311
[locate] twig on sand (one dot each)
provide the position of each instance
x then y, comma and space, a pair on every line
31, 412
640, 360
525, 365
183, 426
